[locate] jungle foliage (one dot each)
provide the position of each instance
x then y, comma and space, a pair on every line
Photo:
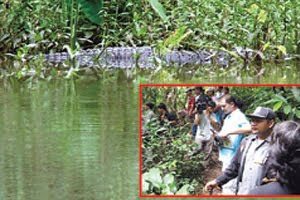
32, 28
284, 101
43, 26
170, 164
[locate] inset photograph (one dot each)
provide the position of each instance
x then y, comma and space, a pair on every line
219, 140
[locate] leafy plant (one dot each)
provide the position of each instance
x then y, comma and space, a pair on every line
92, 9
159, 9
284, 100
168, 151
174, 40
153, 182
268, 26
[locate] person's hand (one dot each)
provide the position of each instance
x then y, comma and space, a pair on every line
224, 135
207, 113
211, 185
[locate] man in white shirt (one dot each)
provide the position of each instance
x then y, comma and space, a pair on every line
234, 127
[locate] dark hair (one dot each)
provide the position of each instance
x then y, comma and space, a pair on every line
162, 106
285, 154
231, 99
150, 105
200, 89
226, 88
211, 104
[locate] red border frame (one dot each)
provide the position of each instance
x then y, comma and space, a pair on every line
199, 196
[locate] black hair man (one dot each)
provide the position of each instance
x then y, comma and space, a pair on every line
248, 163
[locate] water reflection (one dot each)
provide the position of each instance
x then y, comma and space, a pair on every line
58, 143
79, 140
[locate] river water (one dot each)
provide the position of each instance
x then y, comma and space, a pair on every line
79, 139
69, 141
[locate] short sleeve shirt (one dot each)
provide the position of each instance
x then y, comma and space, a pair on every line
203, 129
255, 158
191, 104
233, 122
148, 116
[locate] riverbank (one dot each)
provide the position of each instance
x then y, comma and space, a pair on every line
35, 27
39, 70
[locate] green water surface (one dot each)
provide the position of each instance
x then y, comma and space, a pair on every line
69, 139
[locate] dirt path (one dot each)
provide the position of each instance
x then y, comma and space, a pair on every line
212, 170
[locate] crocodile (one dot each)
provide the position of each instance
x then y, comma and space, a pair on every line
143, 57
147, 57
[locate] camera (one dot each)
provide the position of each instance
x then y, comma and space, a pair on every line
201, 107
219, 141
201, 103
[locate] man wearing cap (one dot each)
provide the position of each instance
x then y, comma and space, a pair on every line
218, 92
211, 93
248, 163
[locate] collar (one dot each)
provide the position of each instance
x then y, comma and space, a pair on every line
268, 139
233, 113
261, 142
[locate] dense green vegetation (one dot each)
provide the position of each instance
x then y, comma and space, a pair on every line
284, 100
43, 26
170, 164
31, 28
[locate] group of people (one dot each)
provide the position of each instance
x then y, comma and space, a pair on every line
267, 162
258, 156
